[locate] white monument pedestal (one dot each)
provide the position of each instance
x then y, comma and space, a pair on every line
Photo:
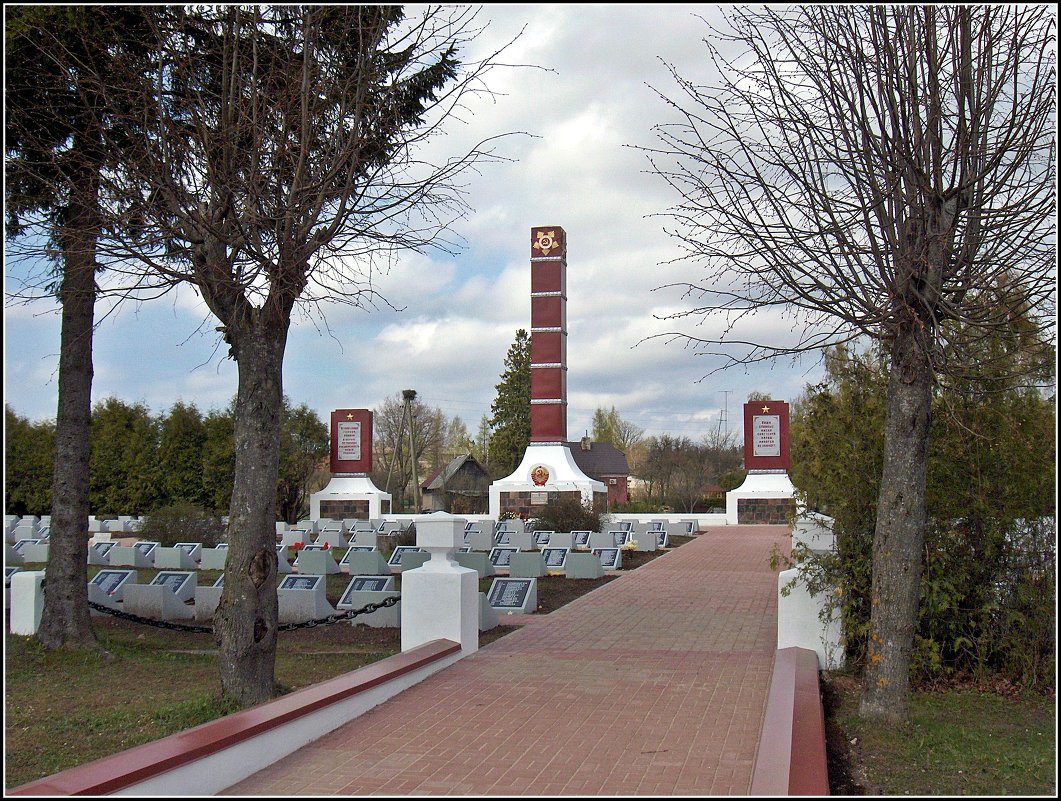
440, 600
546, 468
349, 489
759, 486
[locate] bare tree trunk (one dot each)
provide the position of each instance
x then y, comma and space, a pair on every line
65, 617
246, 620
900, 531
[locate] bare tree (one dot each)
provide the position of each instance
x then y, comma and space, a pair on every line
279, 161
392, 467
872, 171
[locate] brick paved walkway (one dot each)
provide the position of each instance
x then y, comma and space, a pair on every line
653, 684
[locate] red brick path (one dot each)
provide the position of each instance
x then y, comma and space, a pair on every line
654, 684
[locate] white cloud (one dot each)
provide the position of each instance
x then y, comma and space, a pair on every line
585, 101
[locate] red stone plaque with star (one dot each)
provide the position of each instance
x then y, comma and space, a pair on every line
351, 441
766, 435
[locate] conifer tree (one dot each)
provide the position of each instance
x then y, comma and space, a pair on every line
511, 408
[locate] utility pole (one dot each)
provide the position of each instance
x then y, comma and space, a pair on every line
408, 396
724, 417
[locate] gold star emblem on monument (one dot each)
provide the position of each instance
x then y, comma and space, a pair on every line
766, 409
546, 241
349, 416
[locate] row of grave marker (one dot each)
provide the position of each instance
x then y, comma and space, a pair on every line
499, 555
179, 596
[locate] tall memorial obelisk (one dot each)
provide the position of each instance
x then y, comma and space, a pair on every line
767, 494
548, 472
350, 494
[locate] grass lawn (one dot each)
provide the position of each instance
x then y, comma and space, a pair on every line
960, 741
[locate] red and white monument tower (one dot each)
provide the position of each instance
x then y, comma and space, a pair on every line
766, 496
350, 494
548, 471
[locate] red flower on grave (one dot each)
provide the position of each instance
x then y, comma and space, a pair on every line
327, 545
296, 546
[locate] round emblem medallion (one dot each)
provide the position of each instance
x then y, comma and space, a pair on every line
539, 475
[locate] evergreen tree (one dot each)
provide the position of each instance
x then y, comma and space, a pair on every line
180, 456
28, 449
218, 459
304, 445
988, 555
58, 62
511, 408
124, 473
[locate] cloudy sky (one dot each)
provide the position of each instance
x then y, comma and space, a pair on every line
587, 108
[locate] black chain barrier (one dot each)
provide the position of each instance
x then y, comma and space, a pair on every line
308, 624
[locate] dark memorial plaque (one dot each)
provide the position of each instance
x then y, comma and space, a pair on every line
188, 547
502, 557
661, 541
356, 549
396, 557
620, 538
503, 538
626, 525
18, 546
103, 548
110, 581
300, 582
581, 538
509, 593
220, 581
171, 579
541, 538
555, 557
145, 547
609, 557
371, 583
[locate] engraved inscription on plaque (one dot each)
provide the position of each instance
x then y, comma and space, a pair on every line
766, 434
172, 580
509, 593
609, 557
111, 580
501, 557
349, 446
300, 582
555, 557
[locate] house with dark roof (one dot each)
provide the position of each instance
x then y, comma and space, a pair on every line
606, 463
462, 487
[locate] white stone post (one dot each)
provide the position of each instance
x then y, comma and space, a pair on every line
799, 624
440, 600
27, 602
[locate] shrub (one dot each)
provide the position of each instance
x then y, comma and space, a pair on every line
568, 514
183, 522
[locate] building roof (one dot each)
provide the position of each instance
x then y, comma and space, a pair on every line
438, 479
599, 459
